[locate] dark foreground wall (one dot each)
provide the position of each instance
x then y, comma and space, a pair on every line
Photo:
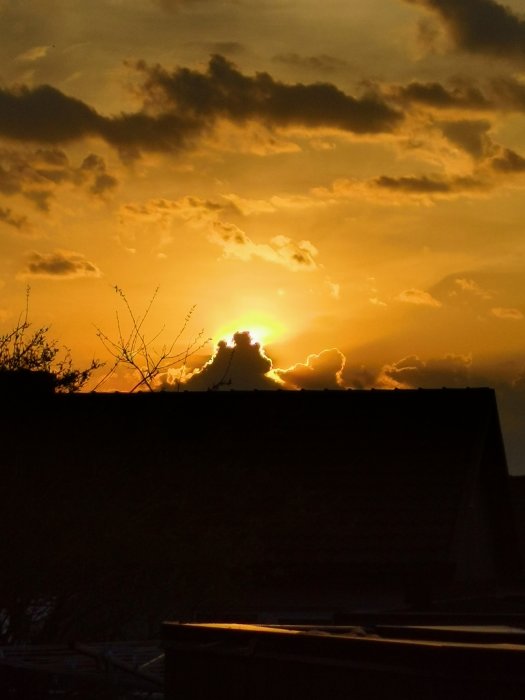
119, 511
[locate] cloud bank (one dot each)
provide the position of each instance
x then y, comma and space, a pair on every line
224, 92
184, 104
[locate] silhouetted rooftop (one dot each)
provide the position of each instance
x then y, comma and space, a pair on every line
242, 491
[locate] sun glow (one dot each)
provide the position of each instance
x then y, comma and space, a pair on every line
262, 329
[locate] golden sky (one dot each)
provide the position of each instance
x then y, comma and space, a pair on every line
344, 178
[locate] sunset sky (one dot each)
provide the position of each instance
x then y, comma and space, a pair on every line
344, 179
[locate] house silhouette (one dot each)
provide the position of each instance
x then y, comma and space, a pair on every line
125, 510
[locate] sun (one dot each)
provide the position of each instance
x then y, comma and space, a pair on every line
262, 329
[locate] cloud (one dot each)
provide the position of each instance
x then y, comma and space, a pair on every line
426, 185
508, 162
320, 62
510, 92
334, 288
163, 211
16, 221
242, 366
247, 207
437, 96
322, 371
507, 313
359, 376
472, 136
224, 92
34, 54
281, 250
36, 175
411, 372
235, 243
469, 135
472, 287
476, 291
183, 105
40, 199
481, 26
47, 116
418, 297
504, 93
101, 181
61, 264
386, 189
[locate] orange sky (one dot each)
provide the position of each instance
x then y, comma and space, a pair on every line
344, 179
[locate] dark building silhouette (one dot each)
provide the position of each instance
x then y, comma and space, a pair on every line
517, 493
120, 511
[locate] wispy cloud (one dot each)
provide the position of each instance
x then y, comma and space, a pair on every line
418, 297
508, 314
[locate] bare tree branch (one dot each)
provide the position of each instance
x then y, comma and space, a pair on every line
137, 352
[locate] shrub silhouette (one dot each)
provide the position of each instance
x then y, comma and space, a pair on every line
30, 361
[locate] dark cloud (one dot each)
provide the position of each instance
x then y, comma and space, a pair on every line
425, 185
102, 181
322, 371
412, 184
499, 94
132, 133
224, 92
9, 182
241, 366
61, 264
438, 96
481, 26
428, 34
11, 219
322, 62
412, 372
245, 366
510, 93
359, 376
45, 115
36, 175
40, 198
182, 105
469, 135
508, 162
